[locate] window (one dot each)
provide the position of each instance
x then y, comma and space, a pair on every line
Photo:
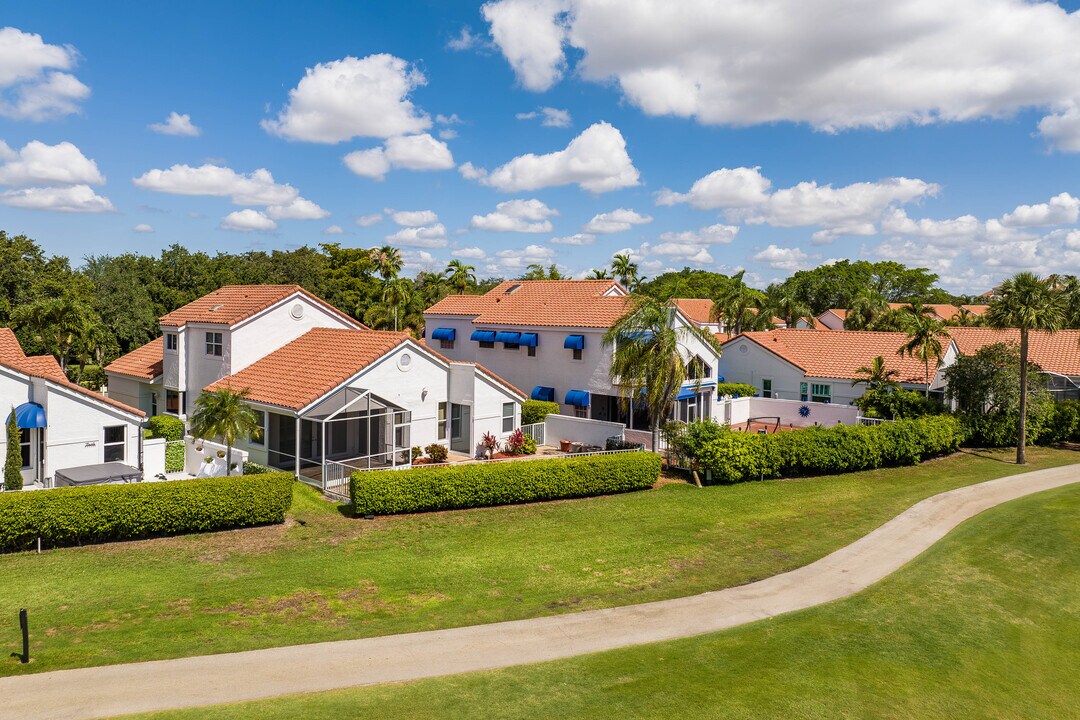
172, 402
24, 445
446, 344
802, 392
114, 443
581, 412
577, 354
442, 421
821, 393
511, 346
170, 341
532, 351
508, 417
213, 344
259, 438
153, 404
698, 369
486, 344
766, 387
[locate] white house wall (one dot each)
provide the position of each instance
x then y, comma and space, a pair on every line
136, 393
755, 364
257, 337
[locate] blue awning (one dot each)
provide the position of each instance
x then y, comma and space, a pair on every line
444, 334
685, 394
639, 335
30, 415
720, 379
528, 339
547, 394
483, 336
577, 398
506, 336
574, 342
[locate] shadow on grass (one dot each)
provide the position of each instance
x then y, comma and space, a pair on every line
986, 454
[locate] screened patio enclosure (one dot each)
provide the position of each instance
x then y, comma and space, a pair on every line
351, 427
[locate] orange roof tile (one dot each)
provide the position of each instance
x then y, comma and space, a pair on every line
230, 304
839, 353
976, 309
838, 312
699, 310
1055, 352
943, 311
144, 362
46, 367
549, 303
306, 369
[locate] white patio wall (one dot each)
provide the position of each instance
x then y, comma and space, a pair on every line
194, 459
153, 458
582, 430
738, 410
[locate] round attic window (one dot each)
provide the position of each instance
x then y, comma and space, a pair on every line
297, 311
743, 348
404, 362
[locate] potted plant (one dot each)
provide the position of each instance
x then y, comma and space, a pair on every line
221, 453
490, 443
564, 446
436, 453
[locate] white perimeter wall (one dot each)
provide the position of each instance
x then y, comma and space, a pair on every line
575, 429
738, 410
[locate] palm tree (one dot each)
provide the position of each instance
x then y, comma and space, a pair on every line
601, 274
876, 375
460, 276
1028, 303
646, 363
57, 323
866, 307
924, 342
224, 414
783, 303
625, 269
387, 261
737, 306
397, 292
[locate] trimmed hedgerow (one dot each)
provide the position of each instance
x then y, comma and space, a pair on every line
387, 492
740, 389
102, 513
534, 411
174, 456
736, 456
166, 427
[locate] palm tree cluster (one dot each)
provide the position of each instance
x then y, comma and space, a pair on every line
225, 414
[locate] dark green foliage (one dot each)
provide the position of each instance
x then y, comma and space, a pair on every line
388, 492
1047, 423
13, 456
254, 468
93, 377
174, 456
101, 513
166, 427
740, 389
686, 283
534, 411
896, 403
736, 456
436, 452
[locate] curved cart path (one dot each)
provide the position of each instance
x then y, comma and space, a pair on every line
212, 679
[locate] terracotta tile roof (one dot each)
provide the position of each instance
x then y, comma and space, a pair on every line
550, 303
1055, 352
306, 369
838, 312
46, 367
838, 353
144, 362
230, 304
976, 309
943, 311
698, 310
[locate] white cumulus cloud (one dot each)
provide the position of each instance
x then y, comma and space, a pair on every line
176, 124
778, 258
248, 220
709, 235
143, 228
40, 164
1062, 209
615, 221
73, 198
33, 82
369, 220
549, 117
469, 253
427, 236
530, 34
575, 239
334, 230
413, 218
524, 216
409, 152
723, 188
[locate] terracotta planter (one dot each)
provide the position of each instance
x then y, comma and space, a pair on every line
564, 446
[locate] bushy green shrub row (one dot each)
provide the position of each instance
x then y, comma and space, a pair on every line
254, 468
1047, 423
174, 456
735, 456
78, 515
534, 411
740, 389
386, 492
166, 427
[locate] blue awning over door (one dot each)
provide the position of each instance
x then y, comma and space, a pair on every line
30, 415
444, 334
546, 394
639, 335
507, 336
483, 336
686, 394
577, 398
528, 339
574, 342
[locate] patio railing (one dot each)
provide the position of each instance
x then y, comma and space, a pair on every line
516, 458
534, 431
860, 420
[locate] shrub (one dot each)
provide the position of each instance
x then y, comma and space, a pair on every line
101, 513
174, 456
534, 411
1047, 423
736, 456
94, 378
740, 389
166, 426
254, 468
529, 447
417, 452
489, 442
897, 403
436, 452
13, 455
515, 444
386, 492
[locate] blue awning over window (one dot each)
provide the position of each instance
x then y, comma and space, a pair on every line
483, 336
577, 398
639, 335
685, 394
30, 415
444, 334
528, 339
720, 378
547, 394
506, 336
574, 342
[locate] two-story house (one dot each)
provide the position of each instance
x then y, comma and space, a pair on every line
546, 337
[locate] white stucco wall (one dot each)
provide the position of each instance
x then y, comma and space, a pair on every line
757, 363
258, 336
738, 410
153, 458
136, 393
582, 430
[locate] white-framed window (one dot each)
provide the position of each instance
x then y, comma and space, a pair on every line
803, 394
115, 443
171, 342
153, 404
446, 344
259, 438
577, 354
442, 421
766, 387
213, 344
820, 393
24, 445
581, 412
508, 417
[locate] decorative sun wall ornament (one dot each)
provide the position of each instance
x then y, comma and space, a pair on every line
804, 411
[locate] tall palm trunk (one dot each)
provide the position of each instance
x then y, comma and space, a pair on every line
228, 459
926, 366
655, 437
1021, 441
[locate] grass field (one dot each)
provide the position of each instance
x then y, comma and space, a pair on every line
324, 576
983, 625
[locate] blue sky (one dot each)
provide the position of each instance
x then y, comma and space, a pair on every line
823, 130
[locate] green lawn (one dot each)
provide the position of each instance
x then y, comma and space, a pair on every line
325, 576
983, 625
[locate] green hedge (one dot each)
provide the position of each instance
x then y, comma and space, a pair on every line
387, 492
740, 389
166, 426
174, 456
77, 515
534, 411
1047, 424
736, 456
